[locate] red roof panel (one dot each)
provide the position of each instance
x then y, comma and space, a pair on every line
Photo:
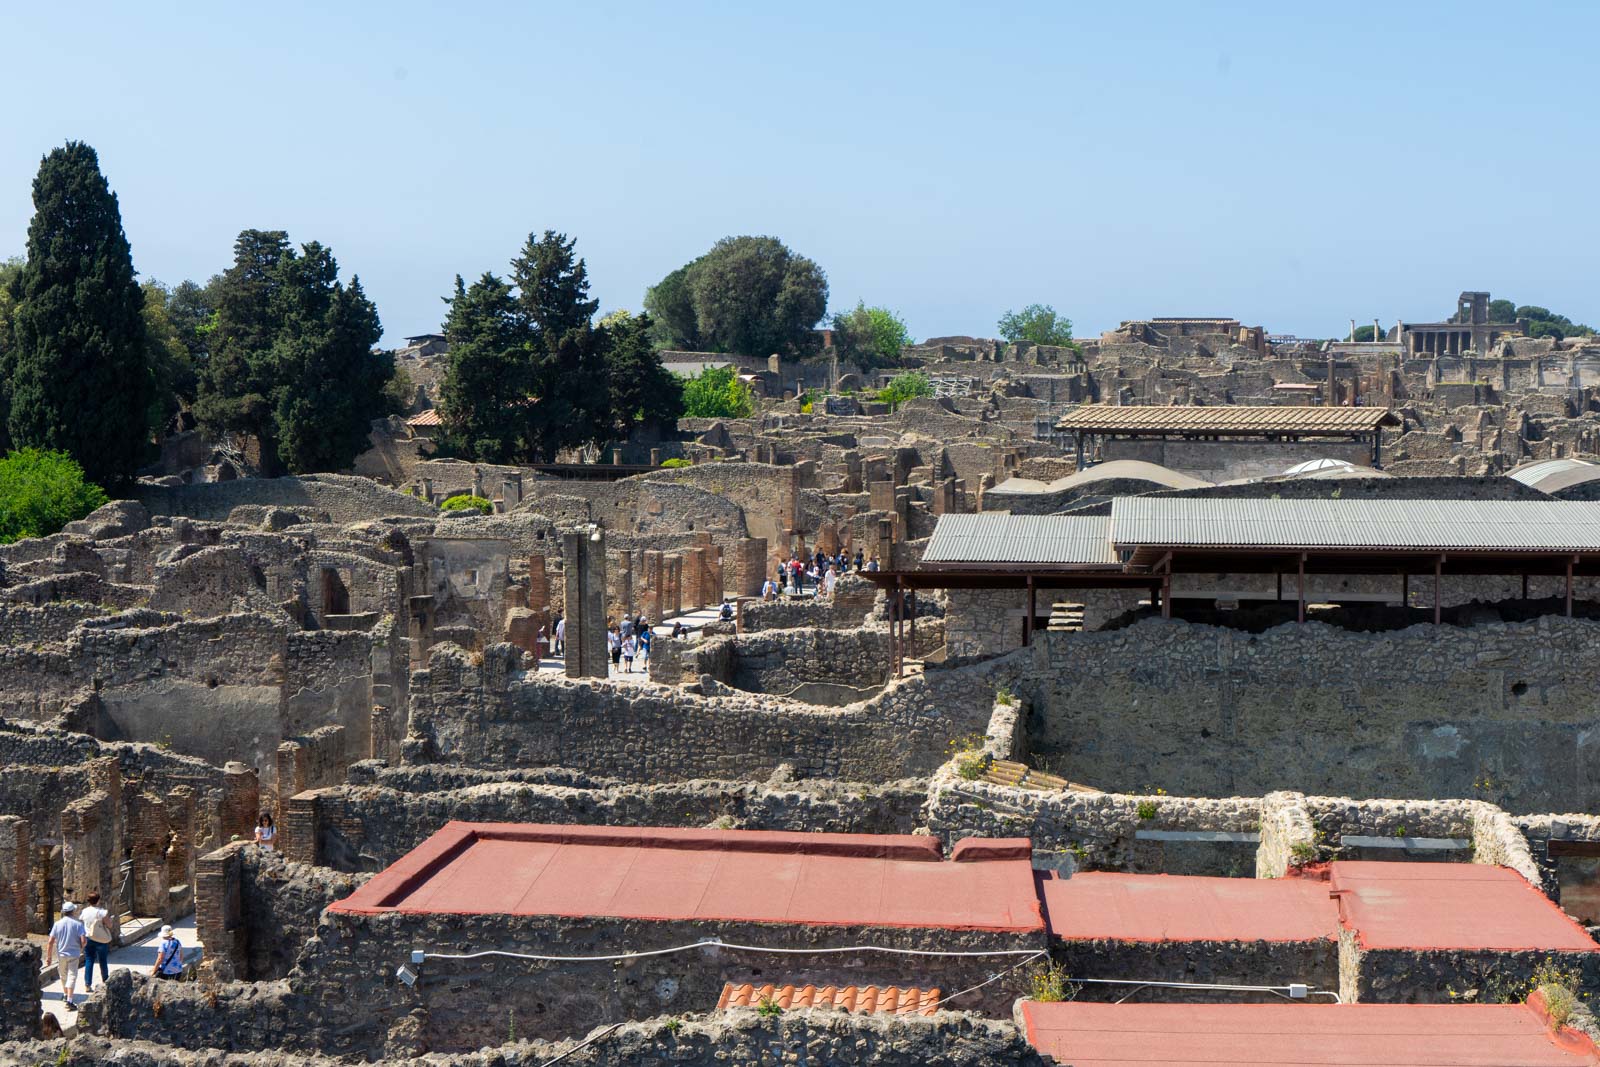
729, 875
1160, 907
1351, 1035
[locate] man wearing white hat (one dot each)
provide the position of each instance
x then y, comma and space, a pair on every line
67, 938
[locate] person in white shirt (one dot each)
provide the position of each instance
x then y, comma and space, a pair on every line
266, 832
65, 947
97, 925
561, 636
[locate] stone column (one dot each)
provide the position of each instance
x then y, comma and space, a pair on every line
181, 822
538, 587
584, 559
15, 863
655, 585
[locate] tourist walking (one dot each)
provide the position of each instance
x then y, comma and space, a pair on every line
858, 559
65, 947
266, 832
169, 956
97, 926
646, 639
561, 636
630, 649
614, 646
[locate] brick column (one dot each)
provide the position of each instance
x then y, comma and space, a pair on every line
15, 863
147, 836
218, 911
241, 801
301, 827
654, 584
747, 569
672, 596
538, 587
181, 821
86, 855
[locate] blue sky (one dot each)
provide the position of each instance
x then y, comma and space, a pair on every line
1288, 164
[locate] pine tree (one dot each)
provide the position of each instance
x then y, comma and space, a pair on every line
237, 381
641, 389
290, 357
77, 374
571, 406
483, 399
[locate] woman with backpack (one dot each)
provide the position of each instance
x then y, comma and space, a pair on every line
97, 922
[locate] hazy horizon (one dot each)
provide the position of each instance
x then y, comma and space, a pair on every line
1293, 168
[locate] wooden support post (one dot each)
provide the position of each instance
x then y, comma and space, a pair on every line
1301, 595
1524, 587
1405, 589
911, 613
1166, 596
1438, 571
1279, 576
1033, 613
1569, 586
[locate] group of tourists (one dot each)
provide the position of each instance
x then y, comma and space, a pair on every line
821, 572
553, 641
629, 641
82, 938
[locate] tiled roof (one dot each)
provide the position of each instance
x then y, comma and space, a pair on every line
1223, 419
889, 999
425, 418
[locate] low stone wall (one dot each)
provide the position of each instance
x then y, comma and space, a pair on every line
363, 828
846, 665
1420, 976
491, 714
242, 1019
20, 1003
1288, 838
1255, 963
853, 600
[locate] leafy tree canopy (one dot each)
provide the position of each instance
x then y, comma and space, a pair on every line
717, 393
1542, 322
749, 295
870, 336
40, 492
1038, 323
77, 375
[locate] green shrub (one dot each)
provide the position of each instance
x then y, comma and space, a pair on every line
675, 463
1147, 810
903, 387
467, 502
769, 1007
40, 492
1004, 697
717, 393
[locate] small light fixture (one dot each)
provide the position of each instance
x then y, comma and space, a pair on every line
406, 974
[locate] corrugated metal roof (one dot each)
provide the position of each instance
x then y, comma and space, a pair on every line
1238, 419
1135, 469
995, 537
1430, 525
1551, 475
894, 1000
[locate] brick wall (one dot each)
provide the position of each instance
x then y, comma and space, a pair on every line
15, 860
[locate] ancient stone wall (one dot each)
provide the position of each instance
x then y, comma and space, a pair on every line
343, 498
254, 910
364, 828
833, 667
490, 714
1420, 712
357, 955
284, 1028
20, 1002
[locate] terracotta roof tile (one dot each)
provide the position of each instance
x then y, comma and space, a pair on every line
886, 999
425, 418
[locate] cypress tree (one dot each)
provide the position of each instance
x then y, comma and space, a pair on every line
78, 377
